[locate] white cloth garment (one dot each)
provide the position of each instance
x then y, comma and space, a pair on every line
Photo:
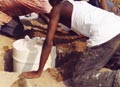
97, 24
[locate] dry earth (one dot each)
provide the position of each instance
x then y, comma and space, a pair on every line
68, 45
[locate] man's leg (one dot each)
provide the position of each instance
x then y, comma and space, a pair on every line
87, 69
14, 28
114, 62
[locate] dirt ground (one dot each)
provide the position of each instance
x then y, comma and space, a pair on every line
69, 46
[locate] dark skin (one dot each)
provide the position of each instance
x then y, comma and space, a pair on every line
59, 13
103, 5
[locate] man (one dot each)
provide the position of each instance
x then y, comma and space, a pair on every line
103, 30
11, 9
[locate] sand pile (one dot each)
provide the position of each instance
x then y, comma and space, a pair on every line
11, 80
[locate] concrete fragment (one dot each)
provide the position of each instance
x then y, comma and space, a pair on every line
21, 83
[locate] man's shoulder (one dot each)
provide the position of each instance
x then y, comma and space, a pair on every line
59, 6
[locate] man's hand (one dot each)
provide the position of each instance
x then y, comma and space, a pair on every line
30, 75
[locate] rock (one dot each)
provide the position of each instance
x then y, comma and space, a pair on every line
46, 80
21, 83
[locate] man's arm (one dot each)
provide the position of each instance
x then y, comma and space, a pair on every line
52, 26
54, 19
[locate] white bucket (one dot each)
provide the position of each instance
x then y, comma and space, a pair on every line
26, 55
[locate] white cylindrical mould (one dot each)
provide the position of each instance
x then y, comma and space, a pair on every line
26, 55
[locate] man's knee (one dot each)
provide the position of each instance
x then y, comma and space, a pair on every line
95, 79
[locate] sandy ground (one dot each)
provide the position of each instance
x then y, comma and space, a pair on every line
50, 77
10, 79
